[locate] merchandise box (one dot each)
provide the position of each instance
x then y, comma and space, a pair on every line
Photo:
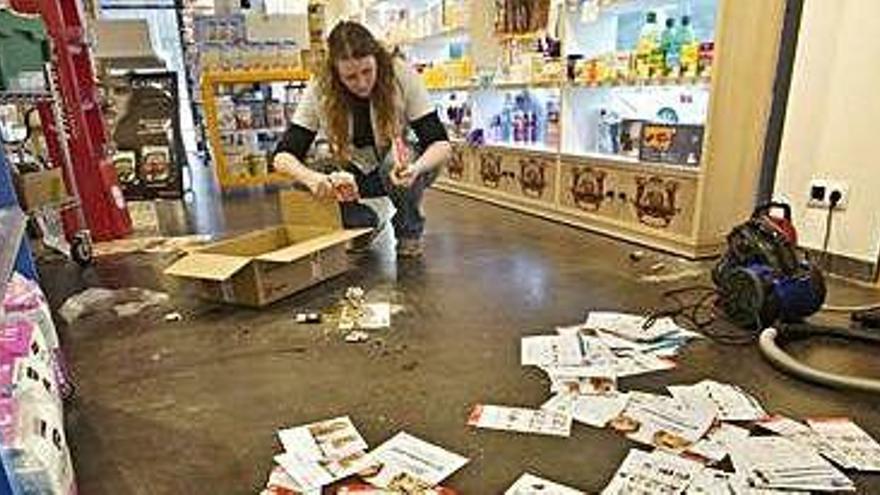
263, 266
43, 188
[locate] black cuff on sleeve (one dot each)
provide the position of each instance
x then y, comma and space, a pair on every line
296, 140
429, 130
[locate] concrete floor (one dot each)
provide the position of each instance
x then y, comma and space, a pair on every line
192, 407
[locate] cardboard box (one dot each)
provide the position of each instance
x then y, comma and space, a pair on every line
266, 265
43, 188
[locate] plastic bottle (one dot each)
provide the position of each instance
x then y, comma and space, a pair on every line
671, 49
688, 47
649, 41
507, 118
551, 133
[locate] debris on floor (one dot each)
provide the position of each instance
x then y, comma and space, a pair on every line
357, 336
152, 244
691, 429
675, 276
310, 317
529, 484
357, 313
320, 454
636, 256
125, 302
173, 316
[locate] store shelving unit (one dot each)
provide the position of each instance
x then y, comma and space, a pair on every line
210, 84
83, 130
685, 209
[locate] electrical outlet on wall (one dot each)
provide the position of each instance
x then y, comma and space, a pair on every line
821, 190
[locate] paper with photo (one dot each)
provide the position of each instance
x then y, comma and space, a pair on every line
715, 482
779, 463
663, 421
631, 327
520, 419
409, 464
857, 449
281, 482
596, 382
656, 472
334, 439
308, 474
551, 350
529, 484
598, 410
715, 446
732, 402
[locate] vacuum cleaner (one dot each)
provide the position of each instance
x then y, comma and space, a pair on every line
766, 284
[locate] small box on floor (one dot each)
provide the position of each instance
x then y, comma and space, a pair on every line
266, 265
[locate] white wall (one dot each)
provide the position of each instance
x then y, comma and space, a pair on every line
831, 128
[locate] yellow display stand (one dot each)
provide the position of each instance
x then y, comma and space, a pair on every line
211, 79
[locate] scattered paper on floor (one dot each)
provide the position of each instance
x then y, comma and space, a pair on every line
551, 350
408, 464
857, 449
520, 419
631, 327
716, 445
529, 484
662, 421
732, 402
648, 473
598, 410
320, 453
715, 482
779, 463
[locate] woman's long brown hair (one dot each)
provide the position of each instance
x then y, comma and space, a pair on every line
350, 40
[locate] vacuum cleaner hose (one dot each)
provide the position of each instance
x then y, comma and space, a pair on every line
786, 363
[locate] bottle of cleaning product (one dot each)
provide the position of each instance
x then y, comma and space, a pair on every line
689, 48
671, 50
649, 41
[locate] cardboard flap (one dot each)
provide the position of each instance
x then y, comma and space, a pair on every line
301, 208
207, 266
305, 248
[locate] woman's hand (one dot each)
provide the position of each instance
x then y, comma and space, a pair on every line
404, 176
322, 188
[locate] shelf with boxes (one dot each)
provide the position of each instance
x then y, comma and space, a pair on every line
637, 138
246, 112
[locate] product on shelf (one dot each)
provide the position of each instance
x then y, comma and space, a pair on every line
33, 381
551, 133
609, 132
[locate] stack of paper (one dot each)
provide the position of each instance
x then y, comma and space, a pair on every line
656, 472
320, 453
406, 464
779, 463
529, 484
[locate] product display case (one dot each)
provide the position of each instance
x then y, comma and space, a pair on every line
641, 119
246, 112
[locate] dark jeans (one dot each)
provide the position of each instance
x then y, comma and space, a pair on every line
408, 221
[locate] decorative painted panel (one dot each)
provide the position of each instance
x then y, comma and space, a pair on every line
648, 198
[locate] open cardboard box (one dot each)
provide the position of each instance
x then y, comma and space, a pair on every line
266, 265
